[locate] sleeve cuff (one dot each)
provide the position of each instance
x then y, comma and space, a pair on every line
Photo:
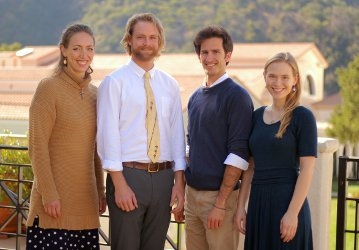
112, 165
180, 164
236, 161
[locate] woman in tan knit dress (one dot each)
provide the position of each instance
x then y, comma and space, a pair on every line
68, 191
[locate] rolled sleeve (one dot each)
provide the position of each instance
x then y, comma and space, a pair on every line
108, 134
236, 161
180, 164
177, 137
108, 165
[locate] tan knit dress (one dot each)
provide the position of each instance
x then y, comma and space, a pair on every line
63, 153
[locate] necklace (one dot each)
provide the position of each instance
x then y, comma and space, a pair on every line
82, 94
273, 116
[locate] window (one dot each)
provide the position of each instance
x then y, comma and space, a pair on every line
309, 86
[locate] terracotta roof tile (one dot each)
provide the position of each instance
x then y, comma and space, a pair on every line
15, 99
14, 112
17, 84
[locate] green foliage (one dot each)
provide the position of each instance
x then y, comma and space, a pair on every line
353, 188
344, 121
10, 172
10, 47
37, 22
331, 24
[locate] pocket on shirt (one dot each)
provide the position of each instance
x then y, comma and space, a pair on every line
165, 106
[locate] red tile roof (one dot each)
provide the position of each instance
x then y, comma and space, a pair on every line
18, 83
14, 112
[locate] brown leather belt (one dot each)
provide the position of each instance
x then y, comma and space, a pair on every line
149, 167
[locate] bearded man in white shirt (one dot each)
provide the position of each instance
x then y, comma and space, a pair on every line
140, 191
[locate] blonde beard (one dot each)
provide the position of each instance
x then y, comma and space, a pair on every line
145, 56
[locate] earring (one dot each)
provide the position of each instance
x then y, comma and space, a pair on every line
89, 70
65, 61
294, 88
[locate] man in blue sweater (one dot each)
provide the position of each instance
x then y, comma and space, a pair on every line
219, 124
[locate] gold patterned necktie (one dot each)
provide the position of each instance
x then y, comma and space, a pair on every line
153, 133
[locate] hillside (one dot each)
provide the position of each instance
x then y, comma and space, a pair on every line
331, 24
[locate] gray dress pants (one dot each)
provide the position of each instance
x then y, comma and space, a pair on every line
144, 228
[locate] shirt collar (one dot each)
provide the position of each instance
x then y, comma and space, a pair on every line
219, 80
140, 71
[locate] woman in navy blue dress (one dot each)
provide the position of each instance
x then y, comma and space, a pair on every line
283, 145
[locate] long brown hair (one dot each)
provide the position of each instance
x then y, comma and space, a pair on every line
292, 100
65, 40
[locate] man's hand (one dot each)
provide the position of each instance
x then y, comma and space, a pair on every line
179, 216
177, 197
125, 198
216, 217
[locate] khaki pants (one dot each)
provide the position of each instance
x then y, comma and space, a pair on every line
198, 237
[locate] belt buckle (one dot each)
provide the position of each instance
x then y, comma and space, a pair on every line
153, 171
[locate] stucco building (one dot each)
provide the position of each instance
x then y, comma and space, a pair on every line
20, 72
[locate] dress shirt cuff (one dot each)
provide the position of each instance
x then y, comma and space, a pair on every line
180, 164
108, 165
236, 161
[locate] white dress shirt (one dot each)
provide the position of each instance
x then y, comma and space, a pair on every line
121, 112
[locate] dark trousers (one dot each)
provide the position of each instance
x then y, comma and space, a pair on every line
144, 228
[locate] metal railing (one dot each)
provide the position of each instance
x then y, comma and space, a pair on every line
344, 178
179, 232
11, 191
176, 244
19, 204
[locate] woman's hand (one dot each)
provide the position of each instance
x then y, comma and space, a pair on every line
102, 205
288, 226
240, 220
53, 209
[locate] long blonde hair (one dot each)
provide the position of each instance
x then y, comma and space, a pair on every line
292, 100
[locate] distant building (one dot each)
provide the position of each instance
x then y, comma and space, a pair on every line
324, 109
21, 71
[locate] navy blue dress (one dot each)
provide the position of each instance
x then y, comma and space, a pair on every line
276, 168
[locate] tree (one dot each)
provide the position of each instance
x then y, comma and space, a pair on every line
331, 24
344, 120
37, 22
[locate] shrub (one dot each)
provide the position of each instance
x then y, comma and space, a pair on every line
11, 160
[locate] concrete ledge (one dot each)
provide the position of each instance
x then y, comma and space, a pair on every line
327, 145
